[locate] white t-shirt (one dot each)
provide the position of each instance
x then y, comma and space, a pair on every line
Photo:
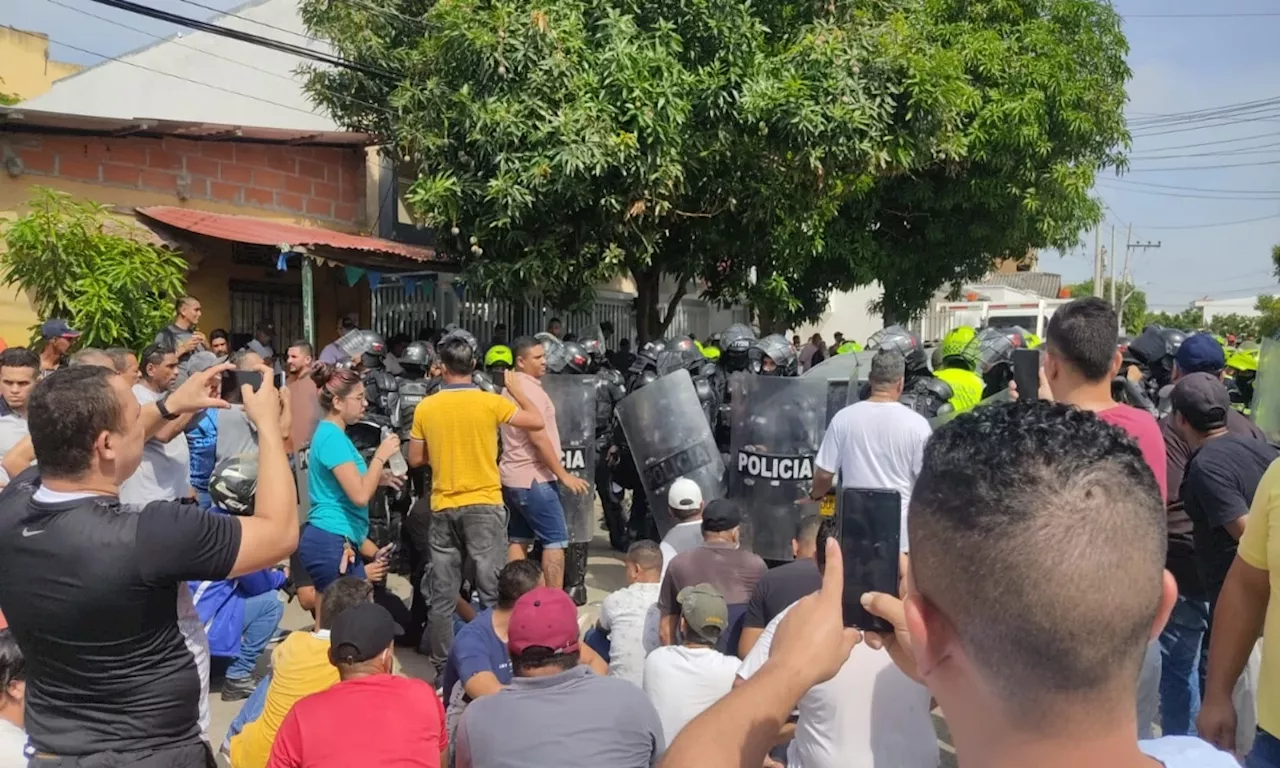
1186, 752
681, 538
13, 427
13, 740
684, 682
165, 472
632, 627
876, 445
870, 713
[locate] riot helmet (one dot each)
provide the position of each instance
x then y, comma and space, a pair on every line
376, 351
905, 342
772, 356
499, 357
648, 355
1173, 339
576, 359
734, 345
233, 484
595, 352
418, 357
556, 355
677, 353
454, 332
958, 350
994, 354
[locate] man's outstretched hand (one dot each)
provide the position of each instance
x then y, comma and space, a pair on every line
198, 392
812, 641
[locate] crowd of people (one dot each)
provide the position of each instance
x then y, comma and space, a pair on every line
1077, 573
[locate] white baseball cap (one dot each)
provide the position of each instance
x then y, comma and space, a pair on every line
684, 494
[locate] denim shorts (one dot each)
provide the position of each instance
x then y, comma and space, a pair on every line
536, 514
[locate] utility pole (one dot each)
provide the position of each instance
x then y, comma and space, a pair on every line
1113, 265
1129, 248
1097, 262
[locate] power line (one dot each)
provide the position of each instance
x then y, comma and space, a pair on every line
251, 21
244, 37
1218, 223
179, 43
1191, 196
1218, 141
180, 77
1244, 15
1203, 167
1191, 189
1261, 149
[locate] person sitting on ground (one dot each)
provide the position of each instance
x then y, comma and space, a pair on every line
629, 618
299, 667
784, 585
839, 723
13, 691
718, 562
1002, 629
684, 504
240, 615
683, 680
479, 664
556, 711
399, 720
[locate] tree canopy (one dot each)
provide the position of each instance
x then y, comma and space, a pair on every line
1134, 300
769, 151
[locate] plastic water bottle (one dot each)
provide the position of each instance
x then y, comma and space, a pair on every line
398, 466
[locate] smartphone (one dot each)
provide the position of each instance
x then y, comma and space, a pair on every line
870, 536
384, 557
1026, 373
279, 379
233, 380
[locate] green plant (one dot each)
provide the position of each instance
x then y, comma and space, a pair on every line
1188, 319
768, 151
1134, 301
1234, 325
76, 262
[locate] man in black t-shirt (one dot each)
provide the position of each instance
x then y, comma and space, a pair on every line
1221, 477
784, 585
92, 589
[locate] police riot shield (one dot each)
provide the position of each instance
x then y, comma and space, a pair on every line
845, 374
1266, 390
778, 424
575, 400
670, 438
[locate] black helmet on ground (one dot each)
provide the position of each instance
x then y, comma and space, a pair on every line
233, 484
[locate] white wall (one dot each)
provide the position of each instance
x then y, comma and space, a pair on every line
1214, 307
847, 312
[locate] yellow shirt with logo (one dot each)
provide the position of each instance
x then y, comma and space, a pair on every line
299, 667
1258, 547
460, 428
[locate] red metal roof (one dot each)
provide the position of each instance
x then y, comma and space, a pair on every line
248, 229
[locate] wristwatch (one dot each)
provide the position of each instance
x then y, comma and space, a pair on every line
164, 412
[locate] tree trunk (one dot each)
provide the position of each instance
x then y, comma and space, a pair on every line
646, 304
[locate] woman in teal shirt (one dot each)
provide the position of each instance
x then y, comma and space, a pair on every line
340, 482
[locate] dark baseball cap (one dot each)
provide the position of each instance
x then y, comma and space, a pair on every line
704, 610
1200, 353
720, 515
57, 328
544, 617
1202, 400
360, 633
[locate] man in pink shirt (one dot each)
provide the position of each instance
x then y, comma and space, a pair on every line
531, 471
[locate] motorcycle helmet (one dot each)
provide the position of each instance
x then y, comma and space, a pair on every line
576, 359
499, 355
710, 352
772, 356
734, 344
955, 345
233, 484
905, 342
419, 355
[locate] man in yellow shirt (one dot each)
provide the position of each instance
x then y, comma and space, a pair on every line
1248, 607
455, 430
299, 667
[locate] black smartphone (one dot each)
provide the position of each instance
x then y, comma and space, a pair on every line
1026, 373
233, 380
870, 536
279, 377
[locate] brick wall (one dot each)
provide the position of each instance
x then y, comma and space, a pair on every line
317, 182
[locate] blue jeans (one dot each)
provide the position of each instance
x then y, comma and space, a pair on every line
251, 710
599, 642
1149, 691
1265, 752
536, 513
204, 500
261, 619
320, 553
1180, 644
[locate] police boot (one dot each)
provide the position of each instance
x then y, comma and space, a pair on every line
575, 573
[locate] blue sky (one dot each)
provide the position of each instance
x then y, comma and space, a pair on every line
1218, 57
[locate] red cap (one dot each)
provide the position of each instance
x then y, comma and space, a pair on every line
545, 617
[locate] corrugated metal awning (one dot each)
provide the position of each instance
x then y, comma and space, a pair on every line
356, 250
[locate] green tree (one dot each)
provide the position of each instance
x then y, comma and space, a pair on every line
76, 262
771, 151
1190, 318
1234, 325
1134, 300
1269, 322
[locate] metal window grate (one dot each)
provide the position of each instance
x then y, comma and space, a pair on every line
252, 302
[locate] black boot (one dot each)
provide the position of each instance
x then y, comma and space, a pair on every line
575, 573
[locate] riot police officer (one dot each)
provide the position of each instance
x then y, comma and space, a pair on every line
416, 362
959, 358
380, 385
498, 359
773, 356
922, 392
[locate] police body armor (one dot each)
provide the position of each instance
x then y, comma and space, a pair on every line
381, 389
669, 437
928, 396
411, 392
778, 425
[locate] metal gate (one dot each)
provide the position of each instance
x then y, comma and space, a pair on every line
251, 303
